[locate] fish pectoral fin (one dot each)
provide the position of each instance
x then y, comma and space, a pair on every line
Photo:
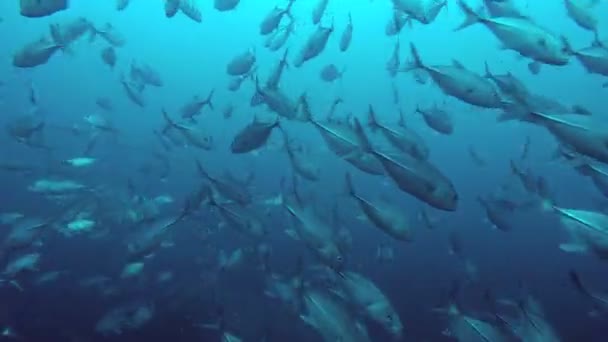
573, 248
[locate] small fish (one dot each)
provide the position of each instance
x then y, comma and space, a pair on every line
347, 35
330, 73
108, 55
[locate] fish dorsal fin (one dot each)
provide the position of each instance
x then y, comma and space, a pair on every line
456, 63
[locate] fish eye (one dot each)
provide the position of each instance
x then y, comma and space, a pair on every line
389, 318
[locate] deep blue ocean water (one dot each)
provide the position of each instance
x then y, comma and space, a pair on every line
191, 57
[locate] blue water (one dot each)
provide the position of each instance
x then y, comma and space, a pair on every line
191, 58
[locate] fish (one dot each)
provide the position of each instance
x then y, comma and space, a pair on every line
523, 36
69, 32
424, 12
581, 14
243, 219
145, 74
108, 55
390, 220
277, 40
274, 80
193, 135
134, 94
402, 138
225, 5
318, 11
457, 81
397, 22
502, 8
366, 295
497, 215
272, 20
419, 178
196, 105
437, 119
226, 187
242, 63
593, 58
330, 317
253, 136
41, 8
347, 35
330, 73
121, 5
393, 64
588, 230
36, 53
300, 164
315, 45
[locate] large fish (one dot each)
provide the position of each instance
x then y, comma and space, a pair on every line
389, 219
331, 318
366, 295
41, 8
523, 36
419, 178
457, 81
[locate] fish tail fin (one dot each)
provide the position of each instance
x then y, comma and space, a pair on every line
209, 99
488, 74
372, 122
596, 40
471, 17
305, 106
567, 47
362, 138
201, 170
284, 58
348, 185
168, 120
416, 62
578, 283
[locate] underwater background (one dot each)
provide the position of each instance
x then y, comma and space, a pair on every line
182, 283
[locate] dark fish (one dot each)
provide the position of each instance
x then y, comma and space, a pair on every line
330, 73
226, 187
225, 5
145, 74
122, 4
41, 8
191, 10
497, 215
347, 35
397, 21
253, 136
36, 53
476, 158
318, 11
241, 64
105, 103
275, 77
171, 8
196, 105
314, 45
437, 119
108, 55
272, 20
135, 95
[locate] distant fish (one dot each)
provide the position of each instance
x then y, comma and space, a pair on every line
108, 55
241, 64
392, 65
272, 20
347, 35
253, 136
122, 4
105, 103
437, 119
330, 73
315, 44
195, 106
